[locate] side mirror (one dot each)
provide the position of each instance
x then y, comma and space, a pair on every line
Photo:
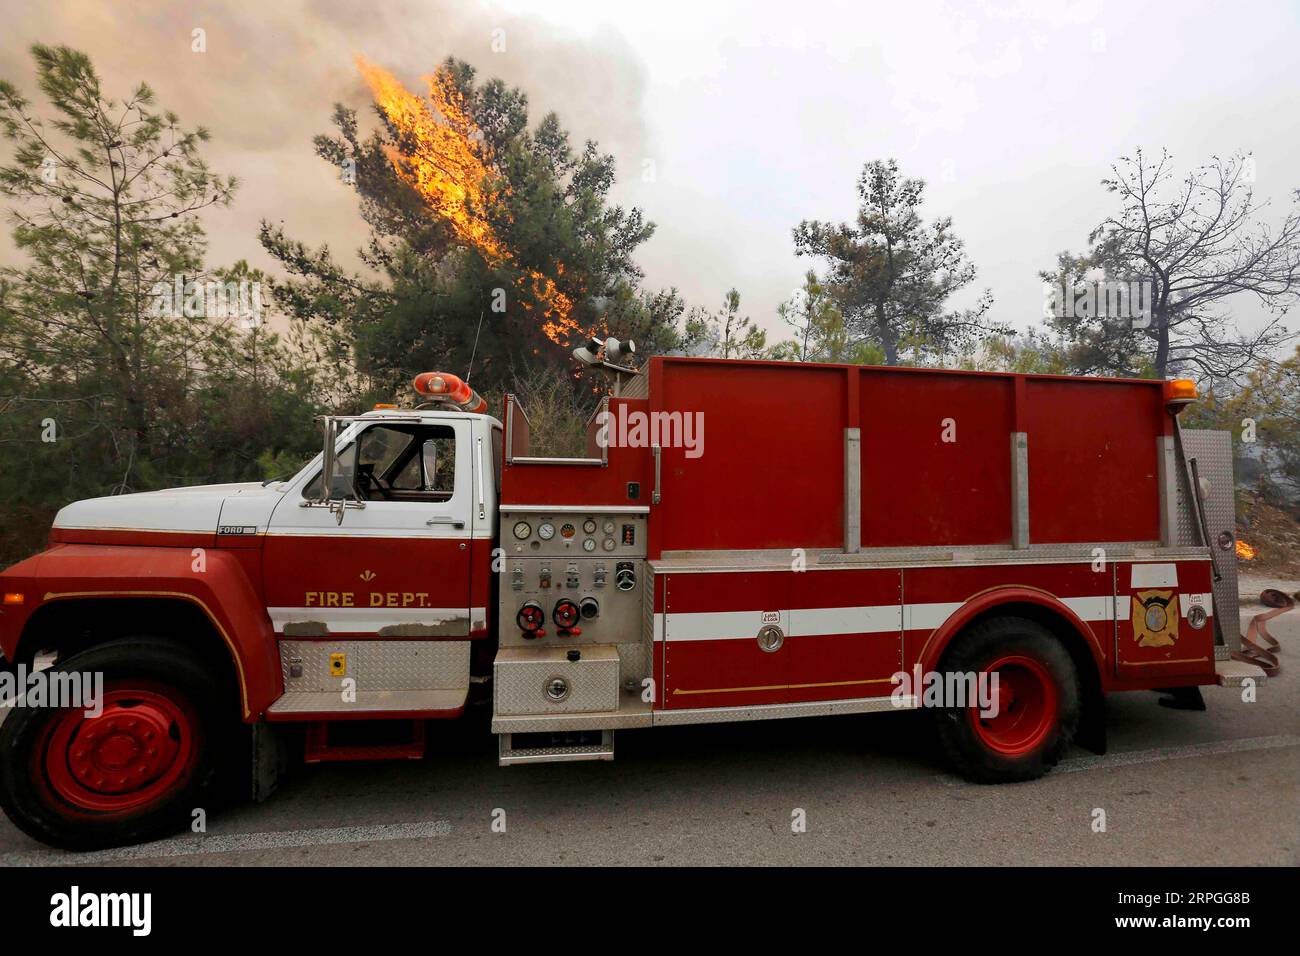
337, 489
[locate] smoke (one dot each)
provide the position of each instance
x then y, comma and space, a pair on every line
271, 73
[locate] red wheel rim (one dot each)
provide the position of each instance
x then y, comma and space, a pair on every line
141, 746
1026, 711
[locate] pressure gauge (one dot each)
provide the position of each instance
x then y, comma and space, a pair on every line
567, 530
589, 526
523, 529
589, 545
609, 526
546, 531
608, 544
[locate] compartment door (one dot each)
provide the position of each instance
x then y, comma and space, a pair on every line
1156, 607
846, 637
712, 653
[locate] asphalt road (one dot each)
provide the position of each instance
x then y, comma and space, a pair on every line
1177, 787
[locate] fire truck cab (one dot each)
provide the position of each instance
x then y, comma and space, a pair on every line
739, 541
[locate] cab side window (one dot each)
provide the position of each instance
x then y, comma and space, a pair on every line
400, 463
432, 468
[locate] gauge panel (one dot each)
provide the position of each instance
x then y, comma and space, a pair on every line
594, 560
539, 534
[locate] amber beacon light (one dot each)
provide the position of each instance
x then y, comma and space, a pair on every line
1180, 392
449, 388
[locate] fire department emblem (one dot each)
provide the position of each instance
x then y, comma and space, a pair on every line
1155, 618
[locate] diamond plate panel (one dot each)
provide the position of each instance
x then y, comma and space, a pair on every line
509, 754
634, 662
647, 605
377, 665
1213, 453
520, 676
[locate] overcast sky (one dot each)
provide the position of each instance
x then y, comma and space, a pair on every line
732, 121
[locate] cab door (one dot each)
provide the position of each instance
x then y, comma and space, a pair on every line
399, 565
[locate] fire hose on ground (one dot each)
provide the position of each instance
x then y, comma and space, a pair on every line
1258, 646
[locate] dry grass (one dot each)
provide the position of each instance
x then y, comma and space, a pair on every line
557, 414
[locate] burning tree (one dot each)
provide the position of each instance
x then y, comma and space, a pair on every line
482, 230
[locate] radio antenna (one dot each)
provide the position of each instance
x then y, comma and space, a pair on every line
474, 351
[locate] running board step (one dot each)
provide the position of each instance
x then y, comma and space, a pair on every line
364, 740
1235, 673
329, 704
555, 747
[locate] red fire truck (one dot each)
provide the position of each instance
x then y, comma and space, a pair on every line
742, 540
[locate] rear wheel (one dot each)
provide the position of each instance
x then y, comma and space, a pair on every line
132, 769
1035, 702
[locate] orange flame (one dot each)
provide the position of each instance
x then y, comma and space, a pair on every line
1245, 551
448, 167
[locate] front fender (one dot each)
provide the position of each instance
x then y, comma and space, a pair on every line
214, 580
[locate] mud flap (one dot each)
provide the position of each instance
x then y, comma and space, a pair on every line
1181, 698
1091, 733
270, 760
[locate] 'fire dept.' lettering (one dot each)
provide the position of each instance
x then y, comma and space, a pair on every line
372, 599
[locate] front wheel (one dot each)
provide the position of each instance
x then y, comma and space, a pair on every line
133, 767
1031, 701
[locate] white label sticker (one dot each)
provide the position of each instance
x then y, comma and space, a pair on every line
1154, 576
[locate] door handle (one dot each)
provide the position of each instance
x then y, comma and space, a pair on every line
655, 496
478, 478
446, 519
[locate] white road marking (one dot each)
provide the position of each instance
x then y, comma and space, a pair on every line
233, 843
379, 833
1155, 755
1158, 754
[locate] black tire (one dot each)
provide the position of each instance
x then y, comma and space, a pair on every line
974, 748
37, 746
